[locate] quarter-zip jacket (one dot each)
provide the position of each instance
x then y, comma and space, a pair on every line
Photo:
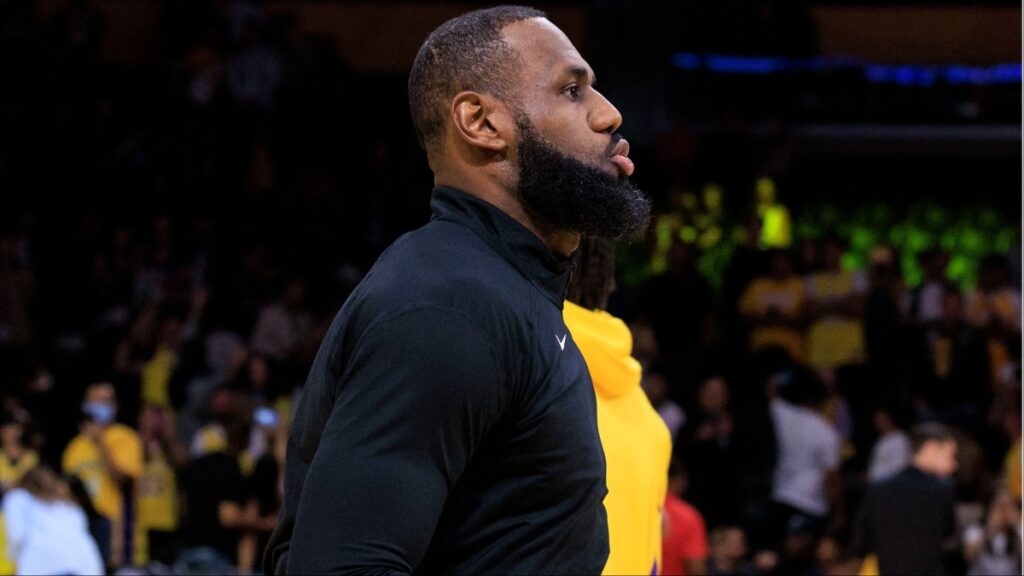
448, 424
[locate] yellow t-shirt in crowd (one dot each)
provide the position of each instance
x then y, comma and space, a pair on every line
158, 495
1012, 464
637, 445
11, 472
82, 458
835, 340
785, 296
156, 377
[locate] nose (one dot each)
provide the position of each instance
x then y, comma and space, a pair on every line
604, 117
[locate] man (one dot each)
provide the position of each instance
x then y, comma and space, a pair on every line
448, 424
214, 493
806, 486
107, 457
685, 545
636, 443
905, 520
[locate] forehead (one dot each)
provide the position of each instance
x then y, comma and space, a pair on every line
100, 392
545, 50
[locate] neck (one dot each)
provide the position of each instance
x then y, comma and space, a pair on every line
561, 242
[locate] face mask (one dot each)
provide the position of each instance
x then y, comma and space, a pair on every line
100, 412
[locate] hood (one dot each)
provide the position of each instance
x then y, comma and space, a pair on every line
606, 344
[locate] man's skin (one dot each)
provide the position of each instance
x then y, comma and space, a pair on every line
477, 153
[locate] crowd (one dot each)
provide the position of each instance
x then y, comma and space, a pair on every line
181, 236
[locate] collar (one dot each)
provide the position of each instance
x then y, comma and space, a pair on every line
520, 247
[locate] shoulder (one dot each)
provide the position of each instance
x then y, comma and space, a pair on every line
77, 448
121, 433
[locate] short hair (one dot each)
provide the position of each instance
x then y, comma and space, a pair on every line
930, 432
467, 52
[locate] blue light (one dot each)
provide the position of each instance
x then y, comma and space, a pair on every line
902, 74
745, 65
686, 61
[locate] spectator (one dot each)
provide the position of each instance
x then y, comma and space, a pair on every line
107, 456
957, 366
46, 532
924, 303
773, 306
656, 385
906, 519
806, 485
15, 458
214, 490
677, 304
263, 494
995, 308
685, 542
835, 307
708, 447
729, 555
284, 325
995, 547
891, 452
158, 485
883, 320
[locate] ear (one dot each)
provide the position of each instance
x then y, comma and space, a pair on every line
481, 121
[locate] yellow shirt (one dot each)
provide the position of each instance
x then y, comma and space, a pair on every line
156, 377
83, 459
11, 472
785, 296
158, 495
1012, 464
6, 562
637, 445
835, 340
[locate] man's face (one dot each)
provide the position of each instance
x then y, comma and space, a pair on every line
100, 403
945, 460
572, 168
938, 458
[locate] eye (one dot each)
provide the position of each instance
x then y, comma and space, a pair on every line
573, 91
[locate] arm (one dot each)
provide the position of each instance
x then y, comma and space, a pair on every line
122, 456
419, 392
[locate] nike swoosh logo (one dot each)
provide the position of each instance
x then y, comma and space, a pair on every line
561, 341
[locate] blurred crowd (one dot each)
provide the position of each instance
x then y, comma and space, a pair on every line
185, 232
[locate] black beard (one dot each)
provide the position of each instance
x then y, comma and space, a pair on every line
562, 193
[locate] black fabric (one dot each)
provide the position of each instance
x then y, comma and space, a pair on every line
448, 424
263, 490
209, 481
904, 521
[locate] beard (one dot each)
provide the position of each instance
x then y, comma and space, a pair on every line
562, 193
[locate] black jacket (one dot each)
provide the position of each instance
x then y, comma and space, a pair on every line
904, 521
448, 424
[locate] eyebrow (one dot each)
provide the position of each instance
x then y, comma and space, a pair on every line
581, 73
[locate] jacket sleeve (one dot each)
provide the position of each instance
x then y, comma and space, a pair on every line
416, 397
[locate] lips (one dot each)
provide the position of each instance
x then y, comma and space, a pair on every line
620, 157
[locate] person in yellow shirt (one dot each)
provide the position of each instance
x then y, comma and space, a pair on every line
15, 458
636, 443
773, 306
157, 487
107, 457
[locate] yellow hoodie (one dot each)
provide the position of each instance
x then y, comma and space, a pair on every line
637, 445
